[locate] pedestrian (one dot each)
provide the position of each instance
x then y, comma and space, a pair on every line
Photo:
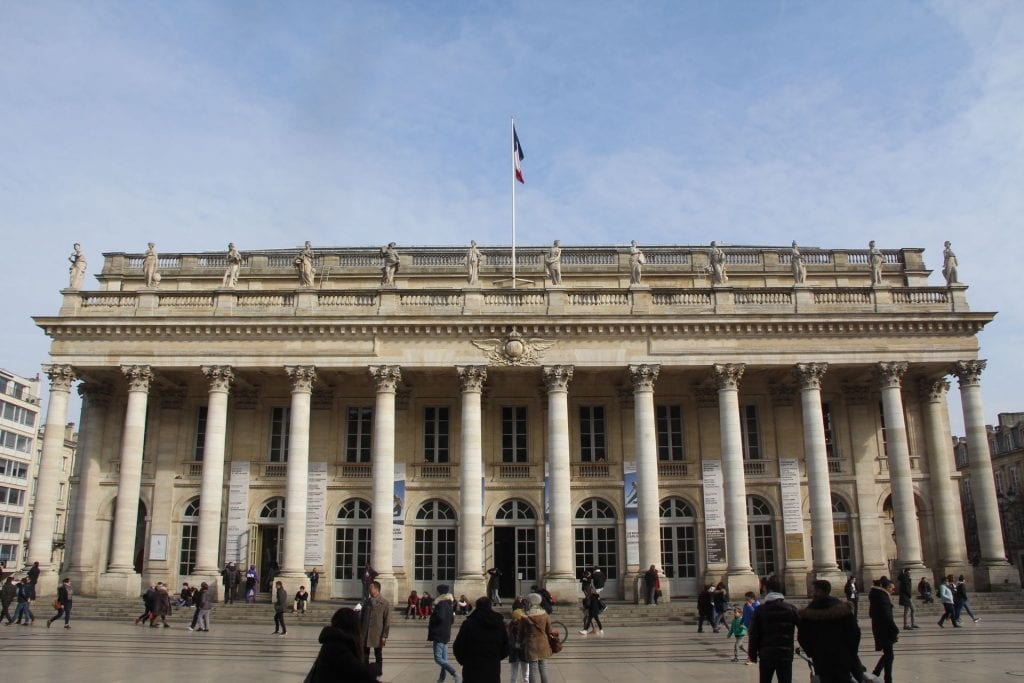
412, 605
651, 585
481, 644
946, 589
883, 626
23, 594
7, 595
852, 593
204, 603
533, 632
520, 667
906, 597
63, 604
547, 601
252, 582
301, 597
586, 582
830, 636
376, 625
960, 601
592, 613
439, 631
161, 606
720, 598
462, 606
314, 579
750, 604
738, 631
341, 652
369, 575
494, 586
280, 601
770, 638
33, 577
706, 608
597, 577
148, 596
230, 578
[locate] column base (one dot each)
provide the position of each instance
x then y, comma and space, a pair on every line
473, 586
835, 576
83, 580
565, 589
47, 583
639, 589
942, 570
739, 582
117, 584
996, 577
291, 581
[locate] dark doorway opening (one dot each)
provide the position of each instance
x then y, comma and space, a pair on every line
505, 558
270, 551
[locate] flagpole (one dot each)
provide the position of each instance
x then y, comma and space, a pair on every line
513, 177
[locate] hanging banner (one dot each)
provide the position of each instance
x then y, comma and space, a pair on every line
236, 541
316, 514
792, 513
398, 518
632, 513
714, 511
547, 520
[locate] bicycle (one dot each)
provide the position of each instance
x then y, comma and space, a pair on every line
559, 629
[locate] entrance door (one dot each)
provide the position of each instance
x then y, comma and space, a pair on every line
434, 555
351, 554
515, 546
505, 559
271, 545
679, 546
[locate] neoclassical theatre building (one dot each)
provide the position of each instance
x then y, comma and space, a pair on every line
720, 413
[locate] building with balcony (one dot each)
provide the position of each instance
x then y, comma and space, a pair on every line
722, 416
19, 419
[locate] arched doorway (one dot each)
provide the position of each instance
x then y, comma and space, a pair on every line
433, 545
515, 546
761, 529
189, 538
351, 547
266, 553
843, 538
889, 541
679, 546
141, 532
596, 541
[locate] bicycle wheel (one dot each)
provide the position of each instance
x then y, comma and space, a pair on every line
560, 630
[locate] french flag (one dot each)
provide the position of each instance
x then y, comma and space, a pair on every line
517, 156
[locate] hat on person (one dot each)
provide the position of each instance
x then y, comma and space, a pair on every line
534, 599
884, 582
442, 588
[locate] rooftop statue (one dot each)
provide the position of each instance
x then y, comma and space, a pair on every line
77, 270
796, 262
149, 266
949, 265
875, 260
391, 263
234, 261
553, 263
636, 262
473, 259
304, 265
717, 258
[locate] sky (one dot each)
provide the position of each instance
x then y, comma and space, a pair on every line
191, 124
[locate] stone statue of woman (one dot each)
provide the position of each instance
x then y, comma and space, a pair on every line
234, 261
391, 264
473, 259
553, 263
636, 262
949, 265
149, 266
304, 264
77, 270
875, 259
796, 262
717, 258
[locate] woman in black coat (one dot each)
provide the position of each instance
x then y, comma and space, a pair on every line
481, 644
341, 652
883, 626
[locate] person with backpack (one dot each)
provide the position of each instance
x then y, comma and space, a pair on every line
592, 613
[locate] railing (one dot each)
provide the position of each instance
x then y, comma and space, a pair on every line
591, 470
589, 258
442, 260
191, 470
920, 295
432, 470
668, 469
598, 298
175, 300
354, 470
117, 300
843, 296
756, 468
247, 300
863, 257
835, 466
515, 299
435, 299
345, 300
764, 297
273, 470
683, 297
514, 470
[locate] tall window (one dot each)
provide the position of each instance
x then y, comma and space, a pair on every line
761, 536
592, 435
435, 434
751, 433
1015, 480
670, 432
10, 525
841, 529
360, 434
594, 533
279, 418
826, 418
189, 538
513, 434
200, 444
1000, 485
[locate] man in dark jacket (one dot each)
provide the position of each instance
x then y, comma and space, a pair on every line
829, 635
771, 635
906, 593
341, 652
439, 630
706, 609
7, 595
280, 600
494, 586
481, 644
883, 626
230, 577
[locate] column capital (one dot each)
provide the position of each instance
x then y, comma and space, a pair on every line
933, 390
387, 377
219, 376
810, 374
557, 377
61, 376
472, 377
727, 375
891, 374
95, 393
969, 372
139, 377
302, 377
644, 376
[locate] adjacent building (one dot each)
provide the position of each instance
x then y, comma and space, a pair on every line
722, 413
19, 420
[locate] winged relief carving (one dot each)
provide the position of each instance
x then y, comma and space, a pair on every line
513, 349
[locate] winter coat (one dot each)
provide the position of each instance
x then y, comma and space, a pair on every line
480, 646
737, 629
945, 594
533, 632
280, 599
376, 620
340, 660
830, 636
705, 604
7, 593
439, 628
720, 599
905, 588
960, 596
772, 627
161, 603
883, 626
64, 595
493, 581
206, 599
592, 605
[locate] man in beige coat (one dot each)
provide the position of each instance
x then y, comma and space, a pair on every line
376, 624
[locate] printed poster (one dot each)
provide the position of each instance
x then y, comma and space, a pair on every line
236, 542
714, 511
398, 518
632, 513
792, 513
316, 514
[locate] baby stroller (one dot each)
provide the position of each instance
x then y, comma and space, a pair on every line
866, 677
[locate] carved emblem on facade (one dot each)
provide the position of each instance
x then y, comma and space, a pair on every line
514, 349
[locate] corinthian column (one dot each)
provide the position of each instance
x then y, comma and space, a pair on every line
643, 378
556, 380
297, 481
471, 379
211, 489
126, 512
908, 534
382, 455
994, 572
739, 575
40, 545
816, 459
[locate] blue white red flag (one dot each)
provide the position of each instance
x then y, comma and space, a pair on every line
517, 156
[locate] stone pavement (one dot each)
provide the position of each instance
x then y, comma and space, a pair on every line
112, 652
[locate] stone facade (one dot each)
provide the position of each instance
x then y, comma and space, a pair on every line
718, 431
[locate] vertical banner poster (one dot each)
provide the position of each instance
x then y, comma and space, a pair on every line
714, 511
398, 518
547, 520
792, 514
236, 545
632, 513
316, 514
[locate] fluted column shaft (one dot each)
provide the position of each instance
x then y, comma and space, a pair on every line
737, 537
40, 545
211, 488
816, 458
471, 378
386, 378
983, 484
950, 545
645, 436
297, 475
908, 533
129, 481
81, 542
556, 379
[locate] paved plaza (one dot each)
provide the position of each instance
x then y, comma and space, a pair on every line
114, 652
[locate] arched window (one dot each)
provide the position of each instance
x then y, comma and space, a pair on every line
273, 510
595, 508
435, 510
761, 529
355, 509
678, 542
596, 538
189, 538
433, 544
676, 507
515, 509
841, 526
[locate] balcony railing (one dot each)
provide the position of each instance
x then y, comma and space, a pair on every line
668, 469
432, 471
757, 468
835, 466
591, 470
513, 471
354, 470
